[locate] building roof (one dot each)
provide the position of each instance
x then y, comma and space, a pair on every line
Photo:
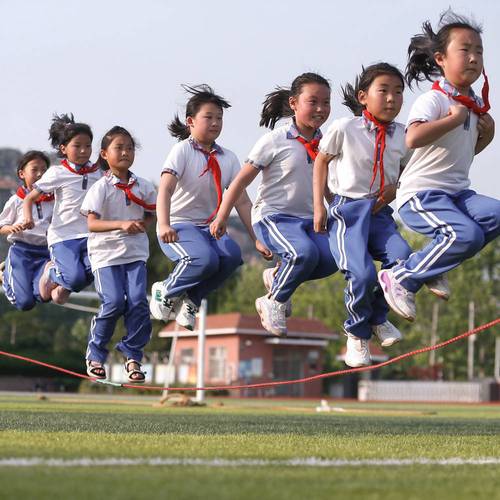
249, 324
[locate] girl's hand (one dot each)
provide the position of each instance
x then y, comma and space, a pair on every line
384, 198
320, 219
218, 228
459, 113
168, 234
28, 224
263, 250
16, 228
133, 226
486, 126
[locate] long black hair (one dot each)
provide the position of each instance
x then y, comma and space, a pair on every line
277, 103
362, 83
200, 95
64, 128
421, 63
108, 139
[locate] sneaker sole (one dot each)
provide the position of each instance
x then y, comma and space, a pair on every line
440, 295
189, 326
264, 324
356, 365
389, 299
389, 343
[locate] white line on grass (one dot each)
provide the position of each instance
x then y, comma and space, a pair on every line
242, 462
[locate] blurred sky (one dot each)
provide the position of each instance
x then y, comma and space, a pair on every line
122, 62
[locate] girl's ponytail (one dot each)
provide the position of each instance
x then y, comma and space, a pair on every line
421, 64
178, 129
275, 106
350, 95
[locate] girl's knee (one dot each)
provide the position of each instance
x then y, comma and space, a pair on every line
207, 263
113, 306
25, 304
308, 256
470, 240
76, 279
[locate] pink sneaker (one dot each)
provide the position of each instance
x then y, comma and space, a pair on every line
400, 300
272, 315
46, 285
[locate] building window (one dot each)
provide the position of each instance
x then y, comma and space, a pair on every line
217, 357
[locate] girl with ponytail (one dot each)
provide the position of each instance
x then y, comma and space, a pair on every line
447, 126
282, 213
69, 269
362, 157
194, 175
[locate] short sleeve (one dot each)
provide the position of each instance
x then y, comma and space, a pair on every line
9, 212
176, 160
331, 142
49, 181
427, 108
263, 153
150, 195
94, 199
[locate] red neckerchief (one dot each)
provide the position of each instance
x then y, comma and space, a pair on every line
44, 197
81, 170
468, 101
127, 188
214, 168
378, 157
311, 146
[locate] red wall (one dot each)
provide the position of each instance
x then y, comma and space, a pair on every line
246, 347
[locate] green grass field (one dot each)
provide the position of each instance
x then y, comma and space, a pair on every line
245, 449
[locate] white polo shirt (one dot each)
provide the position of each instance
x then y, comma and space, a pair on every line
12, 213
445, 164
286, 184
112, 248
69, 190
352, 143
195, 197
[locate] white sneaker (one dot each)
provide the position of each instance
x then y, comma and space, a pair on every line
387, 334
358, 352
400, 300
439, 286
2, 268
186, 317
268, 277
272, 315
160, 306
